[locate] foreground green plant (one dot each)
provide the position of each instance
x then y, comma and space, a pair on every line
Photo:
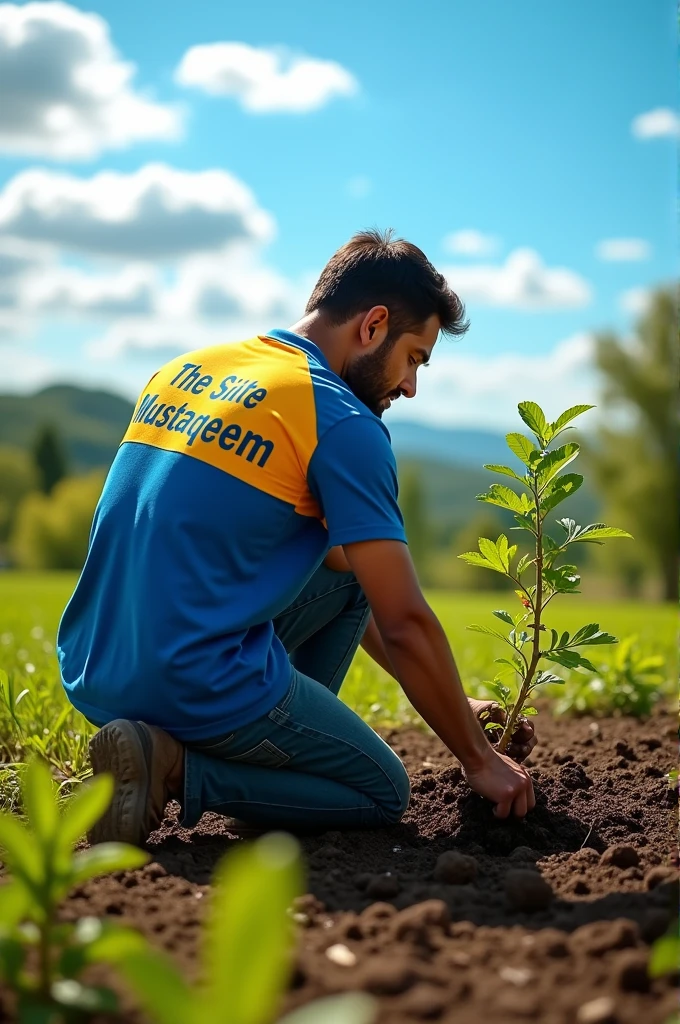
248, 940
44, 868
544, 487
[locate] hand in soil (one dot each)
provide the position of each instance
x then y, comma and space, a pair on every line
523, 738
505, 783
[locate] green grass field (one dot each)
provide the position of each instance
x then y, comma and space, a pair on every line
35, 717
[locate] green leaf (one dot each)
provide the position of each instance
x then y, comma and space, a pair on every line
598, 531
475, 628
534, 417
21, 852
594, 533
492, 554
564, 579
352, 1008
106, 857
255, 886
516, 666
505, 497
474, 558
506, 471
523, 564
529, 711
505, 616
665, 958
566, 417
523, 448
39, 801
547, 677
598, 639
559, 489
15, 900
570, 659
554, 461
84, 808
161, 989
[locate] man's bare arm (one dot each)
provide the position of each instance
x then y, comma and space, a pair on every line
416, 646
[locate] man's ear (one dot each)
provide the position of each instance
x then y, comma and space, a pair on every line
374, 327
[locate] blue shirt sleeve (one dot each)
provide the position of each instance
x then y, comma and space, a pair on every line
353, 476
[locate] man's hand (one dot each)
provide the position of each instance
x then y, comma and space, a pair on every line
503, 782
523, 739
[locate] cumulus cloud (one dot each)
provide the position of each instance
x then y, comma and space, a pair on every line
522, 282
470, 242
156, 213
66, 94
662, 122
211, 301
264, 80
466, 390
133, 291
623, 249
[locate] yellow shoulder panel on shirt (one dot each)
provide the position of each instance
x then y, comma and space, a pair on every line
246, 408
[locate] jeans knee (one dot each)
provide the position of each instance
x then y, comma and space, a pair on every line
394, 809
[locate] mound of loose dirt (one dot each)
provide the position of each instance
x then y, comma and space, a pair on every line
457, 917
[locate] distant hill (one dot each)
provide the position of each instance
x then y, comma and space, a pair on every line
450, 445
449, 461
90, 423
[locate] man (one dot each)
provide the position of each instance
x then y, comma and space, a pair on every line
247, 540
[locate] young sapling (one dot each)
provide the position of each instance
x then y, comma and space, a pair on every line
537, 576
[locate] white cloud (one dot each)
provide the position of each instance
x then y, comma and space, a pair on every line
635, 300
656, 124
470, 242
359, 186
522, 282
212, 300
66, 94
264, 80
623, 249
155, 213
72, 292
483, 391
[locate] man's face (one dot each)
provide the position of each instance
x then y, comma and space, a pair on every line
381, 376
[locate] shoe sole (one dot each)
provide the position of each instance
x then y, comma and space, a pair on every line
119, 750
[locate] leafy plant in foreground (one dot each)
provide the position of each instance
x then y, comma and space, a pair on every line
44, 867
537, 576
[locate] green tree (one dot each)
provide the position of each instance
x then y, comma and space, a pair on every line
413, 508
52, 531
17, 478
636, 463
49, 457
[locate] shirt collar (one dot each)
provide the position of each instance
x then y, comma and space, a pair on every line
291, 338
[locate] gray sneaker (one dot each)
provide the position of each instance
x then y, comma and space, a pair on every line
143, 760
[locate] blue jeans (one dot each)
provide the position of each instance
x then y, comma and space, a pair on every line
311, 762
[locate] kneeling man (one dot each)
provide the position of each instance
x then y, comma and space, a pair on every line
247, 540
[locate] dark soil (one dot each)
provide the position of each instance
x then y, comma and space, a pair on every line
457, 917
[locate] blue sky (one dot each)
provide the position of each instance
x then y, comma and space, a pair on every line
539, 131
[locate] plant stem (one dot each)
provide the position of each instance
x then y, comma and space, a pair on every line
511, 721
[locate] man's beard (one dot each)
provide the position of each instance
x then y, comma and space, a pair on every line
367, 378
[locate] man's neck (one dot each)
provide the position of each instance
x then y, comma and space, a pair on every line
329, 339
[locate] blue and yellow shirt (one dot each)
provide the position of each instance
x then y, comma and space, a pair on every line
242, 465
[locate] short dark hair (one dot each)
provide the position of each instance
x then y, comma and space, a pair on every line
375, 268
